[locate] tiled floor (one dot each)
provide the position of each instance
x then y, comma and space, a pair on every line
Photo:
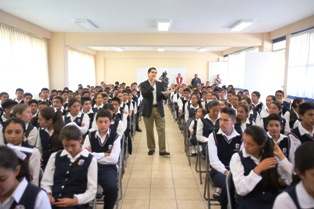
156, 182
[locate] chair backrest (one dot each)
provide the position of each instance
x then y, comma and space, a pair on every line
230, 188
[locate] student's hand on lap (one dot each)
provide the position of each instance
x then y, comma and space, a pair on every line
88, 149
66, 202
266, 164
83, 124
51, 199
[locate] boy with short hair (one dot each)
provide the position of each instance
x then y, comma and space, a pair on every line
19, 95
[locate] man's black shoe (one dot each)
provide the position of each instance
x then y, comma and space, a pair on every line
164, 153
150, 152
139, 130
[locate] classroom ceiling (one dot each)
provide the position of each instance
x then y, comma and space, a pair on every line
140, 16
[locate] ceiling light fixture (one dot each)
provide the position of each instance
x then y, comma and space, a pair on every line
202, 49
163, 25
161, 49
117, 49
241, 25
85, 24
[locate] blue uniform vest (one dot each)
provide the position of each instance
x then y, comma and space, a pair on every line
77, 120
96, 144
209, 127
28, 199
293, 194
70, 178
46, 146
303, 138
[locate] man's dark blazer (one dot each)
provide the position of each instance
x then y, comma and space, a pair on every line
147, 93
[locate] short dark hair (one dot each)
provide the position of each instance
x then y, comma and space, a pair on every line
72, 101
32, 101
116, 99
280, 91
59, 98
70, 132
150, 69
272, 97
257, 94
44, 89
108, 107
304, 156
8, 103
274, 117
212, 104
85, 99
305, 107
27, 94
104, 113
277, 104
296, 101
229, 111
19, 89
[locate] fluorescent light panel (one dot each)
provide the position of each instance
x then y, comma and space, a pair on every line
241, 25
85, 24
202, 49
163, 25
117, 49
161, 49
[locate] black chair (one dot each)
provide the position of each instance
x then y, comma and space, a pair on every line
231, 192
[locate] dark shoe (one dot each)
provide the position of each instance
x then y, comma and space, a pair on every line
139, 130
217, 193
151, 152
164, 153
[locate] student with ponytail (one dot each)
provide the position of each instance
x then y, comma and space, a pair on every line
15, 191
51, 123
255, 170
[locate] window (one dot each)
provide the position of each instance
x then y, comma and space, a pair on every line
301, 65
81, 69
23, 61
279, 50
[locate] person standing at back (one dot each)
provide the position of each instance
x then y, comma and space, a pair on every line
195, 80
153, 112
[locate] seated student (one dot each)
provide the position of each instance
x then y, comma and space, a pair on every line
105, 98
33, 105
230, 94
178, 95
235, 102
302, 194
191, 107
19, 95
204, 98
223, 103
23, 111
221, 146
57, 102
75, 117
288, 145
104, 144
51, 123
16, 192
275, 108
305, 129
182, 102
40, 106
98, 102
64, 95
44, 96
257, 105
207, 124
255, 172
70, 178
285, 106
13, 134
200, 113
87, 109
7, 106
253, 114
27, 97
242, 121
265, 112
292, 115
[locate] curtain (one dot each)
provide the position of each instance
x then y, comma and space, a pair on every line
236, 67
301, 65
23, 62
81, 69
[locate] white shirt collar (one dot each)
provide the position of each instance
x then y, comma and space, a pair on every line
73, 117
305, 200
281, 137
245, 154
303, 131
17, 194
83, 153
89, 112
232, 135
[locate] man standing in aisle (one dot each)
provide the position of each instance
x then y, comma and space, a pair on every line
153, 111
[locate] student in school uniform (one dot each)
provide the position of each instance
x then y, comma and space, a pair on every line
201, 112
71, 175
19, 95
305, 129
23, 112
33, 105
292, 115
253, 114
178, 95
257, 105
57, 102
300, 195
75, 117
255, 172
7, 106
288, 145
230, 95
235, 102
44, 96
104, 144
275, 108
265, 112
51, 123
191, 108
16, 191
285, 106
221, 146
86, 103
27, 97
14, 134
98, 102
183, 101
242, 121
